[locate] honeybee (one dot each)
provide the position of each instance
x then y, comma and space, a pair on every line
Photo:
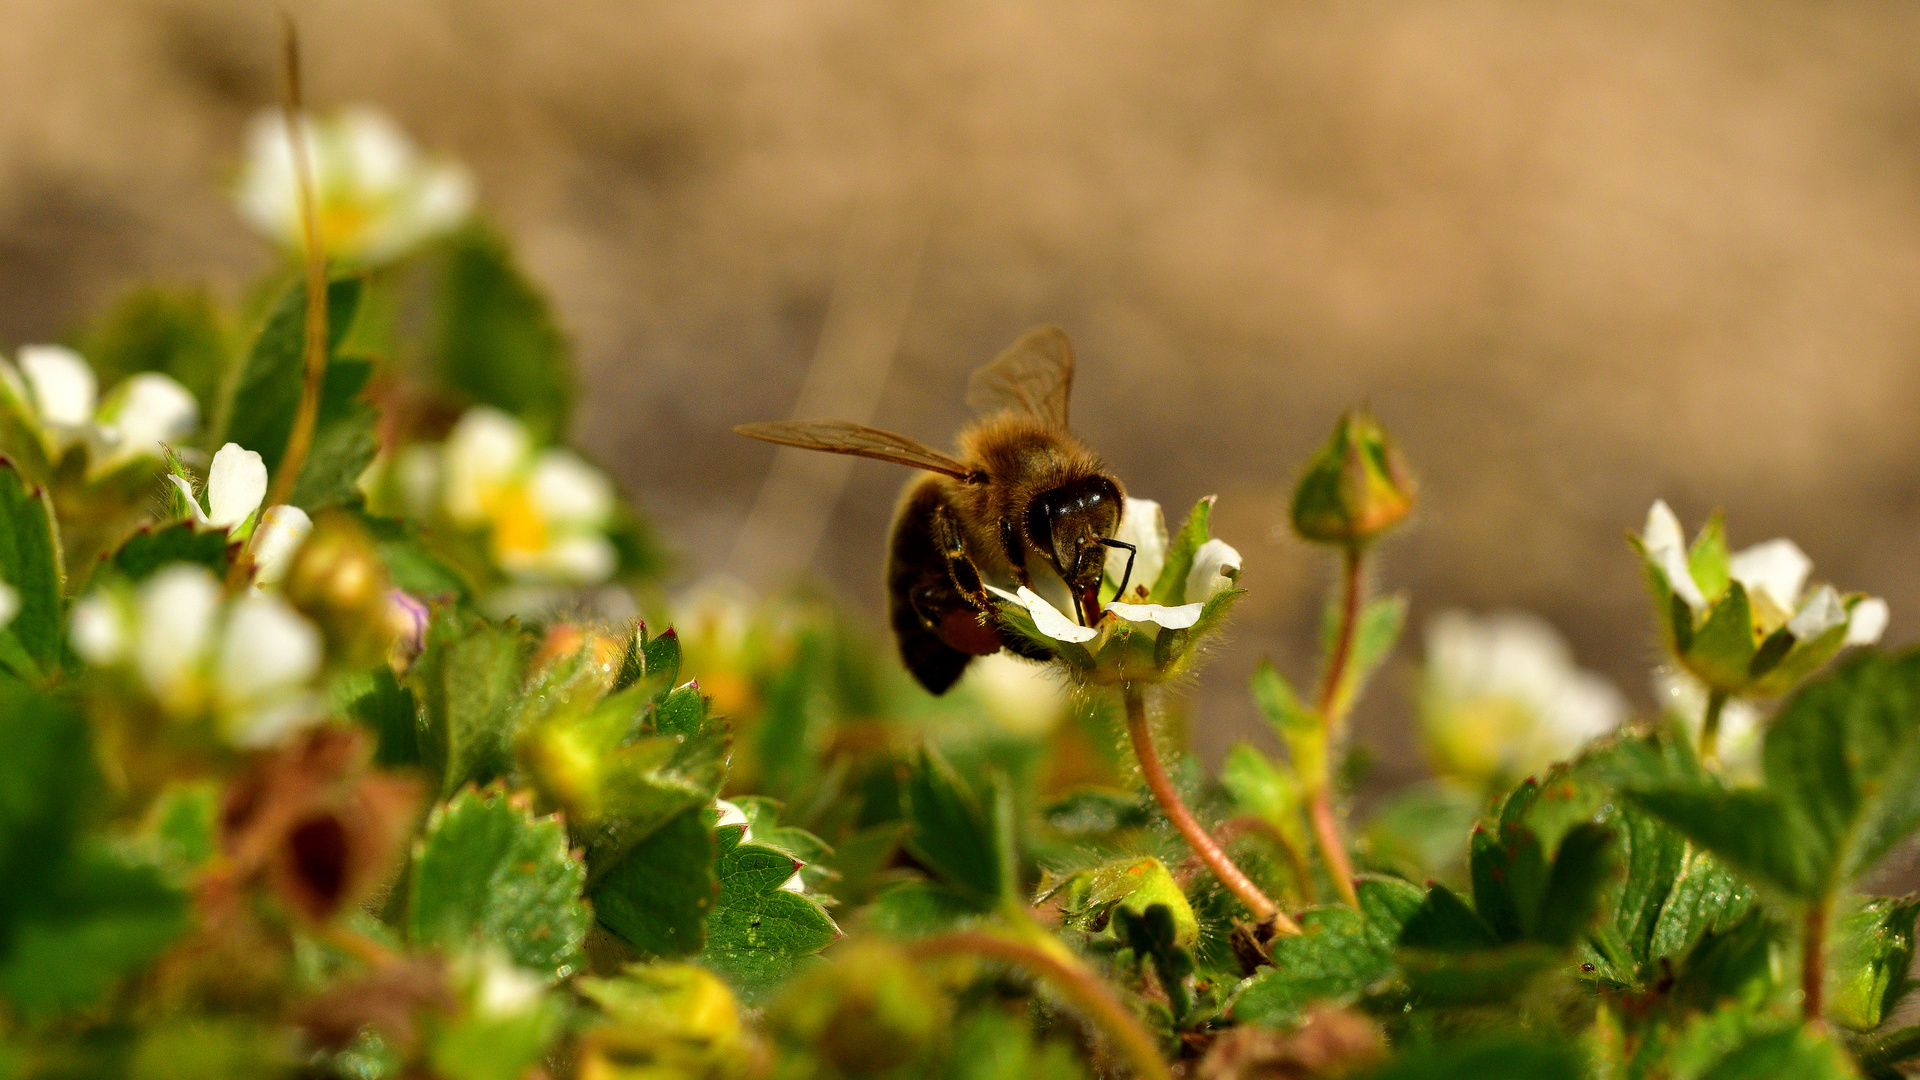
1021, 487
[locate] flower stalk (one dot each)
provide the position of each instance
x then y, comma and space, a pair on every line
1335, 698
1071, 979
1710, 726
1267, 915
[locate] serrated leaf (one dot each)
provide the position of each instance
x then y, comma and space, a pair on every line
497, 342
655, 659
760, 933
1337, 957
95, 918
658, 895
378, 701
953, 834
149, 549
467, 681
486, 870
1705, 897
1445, 923
1480, 977
1170, 587
344, 439
271, 379
32, 642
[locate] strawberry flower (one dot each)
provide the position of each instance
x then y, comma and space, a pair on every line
55, 392
1744, 623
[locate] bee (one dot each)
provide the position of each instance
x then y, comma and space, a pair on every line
1022, 493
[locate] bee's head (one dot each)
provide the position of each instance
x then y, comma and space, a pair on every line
1068, 524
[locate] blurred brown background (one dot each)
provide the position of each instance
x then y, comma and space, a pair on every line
1576, 255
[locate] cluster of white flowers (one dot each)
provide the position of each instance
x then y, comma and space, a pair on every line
376, 198
1501, 698
54, 390
236, 485
546, 511
1216, 566
249, 661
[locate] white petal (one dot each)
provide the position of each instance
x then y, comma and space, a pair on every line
374, 152
1047, 618
63, 384
445, 198
265, 722
568, 491
97, 627
484, 450
1867, 621
1778, 568
235, 485
416, 475
1144, 525
1667, 547
506, 989
1216, 566
1172, 618
267, 646
193, 501
1520, 659
1822, 612
9, 603
148, 411
176, 610
282, 530
268, 194
576, 560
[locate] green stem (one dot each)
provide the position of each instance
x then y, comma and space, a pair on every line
1335, 698
1071, 979
1710, 726
1813, 959
1265, 912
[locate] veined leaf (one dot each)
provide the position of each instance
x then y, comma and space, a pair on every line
760, 933
660, 892
467, 682
271, 380
32, 643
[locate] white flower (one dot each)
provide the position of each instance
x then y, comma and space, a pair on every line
143, 415
1023, 697
376, 198
9, 603
1216, 566
1144, 525
1774, 576
545, 512
250, 661
1049, 621
282, 530
484, 453
568, 491
1501, 696
62, 385
235, 485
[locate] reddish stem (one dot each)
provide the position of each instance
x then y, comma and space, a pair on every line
1265, 912
1334, 700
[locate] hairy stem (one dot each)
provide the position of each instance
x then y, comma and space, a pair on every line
1265, 912
1296, 858
1335, 698
1710, 726
1813, 960
300, 439
1071, 979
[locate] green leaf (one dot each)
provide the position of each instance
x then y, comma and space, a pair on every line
486, 869
658, 895
1505, 1056
497, 341
1799, 1052
467, 681
1338, 956
1381, 621
1298, 726
657, 660
207, 1048
96, 919
1705, 898
1723, 648
149, 549
953, 835
485, 1045
411, 562
1842, 765
1444, 923
1439, 979
182, 828
992, 1045
344, 439
174, 331
32, 643
759, 933
1872, 952
47, 783
1581, 872
271, 380
380, 703
918, 908
1171, 586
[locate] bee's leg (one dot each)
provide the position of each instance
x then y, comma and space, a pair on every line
1127, 577
1015, 550
966, 576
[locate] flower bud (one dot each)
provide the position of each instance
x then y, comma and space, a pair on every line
1356, 487
338, 580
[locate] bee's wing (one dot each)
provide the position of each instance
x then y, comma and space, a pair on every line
842, 437
1034, 376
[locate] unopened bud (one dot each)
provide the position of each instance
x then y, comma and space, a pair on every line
1356, 487
338, 580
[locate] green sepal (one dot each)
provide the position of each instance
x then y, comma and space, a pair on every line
150, 548
1707, 559
1723, 648
1170, 588
954, 834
